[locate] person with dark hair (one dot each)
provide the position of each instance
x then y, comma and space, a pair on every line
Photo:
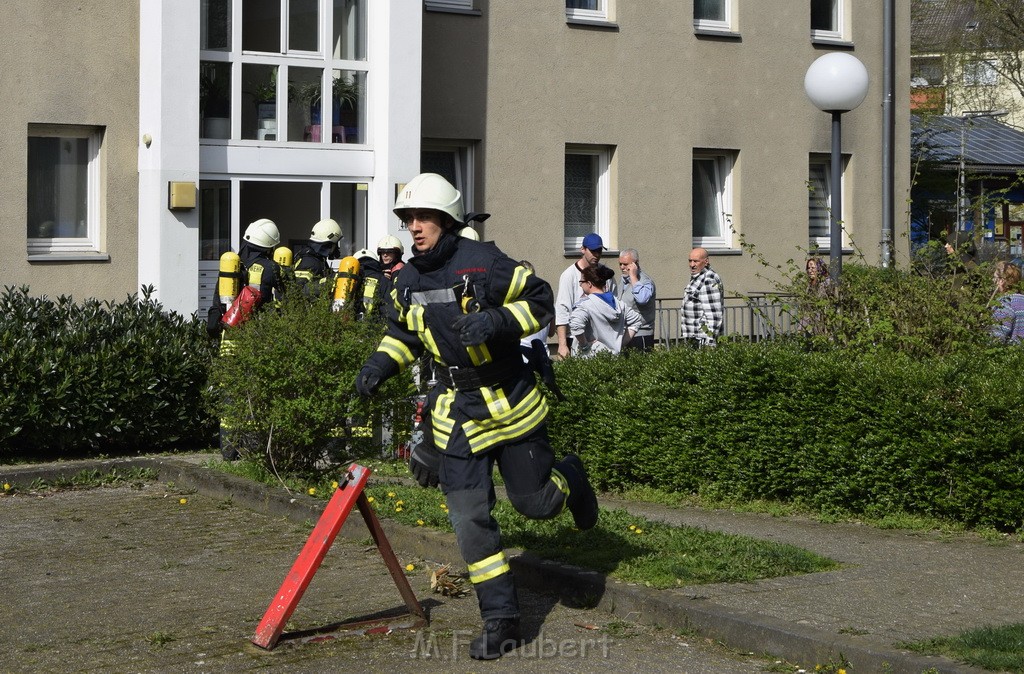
569, 292
468, 304
1008, 312
600, 322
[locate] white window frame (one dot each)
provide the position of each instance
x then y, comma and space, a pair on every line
599, 14
838, 31
724, 162
90, 243
465, 167
725, 24
283, 60
824, 243
449, 5
602, 207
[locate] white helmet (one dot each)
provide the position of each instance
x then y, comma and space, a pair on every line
364, 252
469, 233
390, 242
429, 190
326, 230
263, 233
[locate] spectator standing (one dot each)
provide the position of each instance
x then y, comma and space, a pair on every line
569, 292
1009, 309
638, 293
702, 316
600, 322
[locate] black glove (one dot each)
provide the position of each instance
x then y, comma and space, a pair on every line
368, 380
475, 328
425, 463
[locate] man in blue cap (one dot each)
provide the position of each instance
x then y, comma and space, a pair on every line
569, 292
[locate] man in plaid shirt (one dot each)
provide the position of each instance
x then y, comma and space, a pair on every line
700, 322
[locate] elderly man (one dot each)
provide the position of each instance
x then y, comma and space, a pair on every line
701, 318
569, 293
638, 293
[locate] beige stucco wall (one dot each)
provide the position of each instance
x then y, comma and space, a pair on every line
524, 83
72, 63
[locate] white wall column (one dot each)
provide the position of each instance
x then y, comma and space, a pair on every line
169, 118
397, 56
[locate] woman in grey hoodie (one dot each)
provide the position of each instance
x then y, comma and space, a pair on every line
599, 322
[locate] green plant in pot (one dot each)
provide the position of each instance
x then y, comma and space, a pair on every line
214, 101
345, 95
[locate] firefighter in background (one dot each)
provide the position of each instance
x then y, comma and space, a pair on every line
261, 283
467, 304
313, 265
390, 251
374, 285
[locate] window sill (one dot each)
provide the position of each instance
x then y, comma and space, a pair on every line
719, 34
69, 257
723, 252
831, 42
592, 23
453, 10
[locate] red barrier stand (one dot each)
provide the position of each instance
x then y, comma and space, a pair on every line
348, 494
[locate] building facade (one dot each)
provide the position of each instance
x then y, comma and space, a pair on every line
145, 136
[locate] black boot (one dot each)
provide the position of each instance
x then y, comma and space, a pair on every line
582, 501
499, 636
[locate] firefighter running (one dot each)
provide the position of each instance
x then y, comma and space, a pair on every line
468, 305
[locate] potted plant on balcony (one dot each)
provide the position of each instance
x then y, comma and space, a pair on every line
214, 102
345, 93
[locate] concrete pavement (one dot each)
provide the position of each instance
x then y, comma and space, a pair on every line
894, 586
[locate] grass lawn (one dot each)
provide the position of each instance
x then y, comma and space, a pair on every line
997, 648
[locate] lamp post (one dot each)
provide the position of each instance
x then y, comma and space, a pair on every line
836, 83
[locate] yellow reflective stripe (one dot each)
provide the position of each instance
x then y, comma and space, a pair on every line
497, 402
521, 312
396, 350
414, 319
562, 484
441, 422
487, 433
304, 274
488, 568
515, 289
369, 289
479, 354
427, 337
256, 275
399, 309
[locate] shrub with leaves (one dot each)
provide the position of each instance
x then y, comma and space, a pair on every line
846, 431
286, 397
100, 376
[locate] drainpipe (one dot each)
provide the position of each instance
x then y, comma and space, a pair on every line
888, 129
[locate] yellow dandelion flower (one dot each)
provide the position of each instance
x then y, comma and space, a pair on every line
369, 499
334, 485
444, 506
6, 486
632, 527
183, 501
391, 494
420, 522
312, 490
410, 567
399, 502
398, 509
840, 671
639, 531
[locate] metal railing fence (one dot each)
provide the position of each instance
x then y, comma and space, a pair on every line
754, 317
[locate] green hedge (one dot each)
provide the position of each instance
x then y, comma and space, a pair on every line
99, 376
842, 432
286, 393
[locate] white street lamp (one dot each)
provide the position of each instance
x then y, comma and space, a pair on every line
836, 83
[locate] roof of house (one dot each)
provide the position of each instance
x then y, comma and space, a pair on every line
988, 144
936, 24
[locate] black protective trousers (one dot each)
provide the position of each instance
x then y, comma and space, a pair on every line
526, 467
